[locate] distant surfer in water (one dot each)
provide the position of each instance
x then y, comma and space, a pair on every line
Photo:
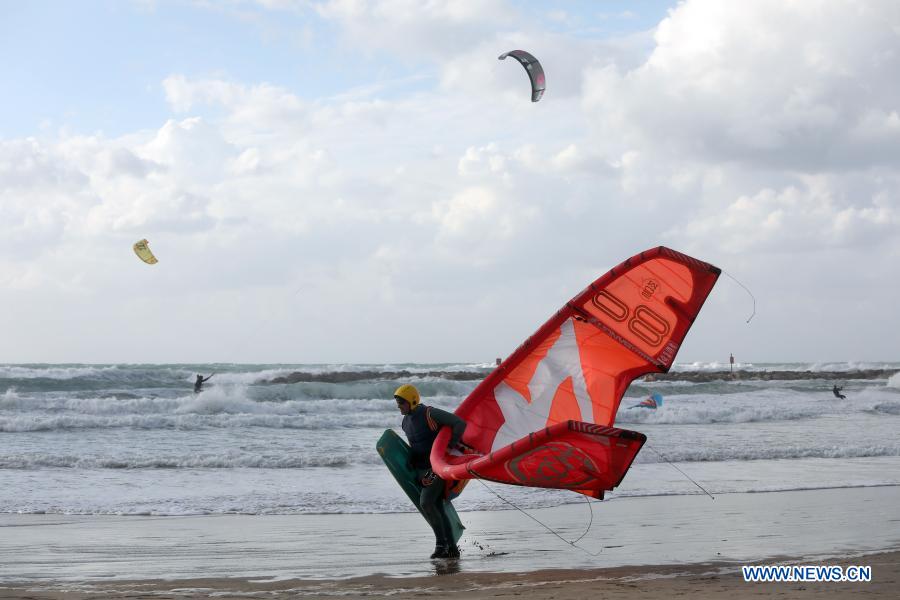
653, 401
198, 384
837, 391
421, 425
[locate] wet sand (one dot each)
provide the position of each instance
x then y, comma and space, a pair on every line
653, 547
714, 580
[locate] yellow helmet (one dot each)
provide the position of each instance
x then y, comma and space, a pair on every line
409, 393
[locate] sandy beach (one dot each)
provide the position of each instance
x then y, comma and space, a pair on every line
656, 546
715, 580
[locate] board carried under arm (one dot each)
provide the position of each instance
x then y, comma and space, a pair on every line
395, 454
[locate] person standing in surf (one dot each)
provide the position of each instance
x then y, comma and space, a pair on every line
198, 384
837, 391
421, 425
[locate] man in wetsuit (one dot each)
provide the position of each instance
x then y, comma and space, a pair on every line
198, 384
837, 391
421, 425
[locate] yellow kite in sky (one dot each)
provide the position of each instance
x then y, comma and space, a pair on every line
143, 251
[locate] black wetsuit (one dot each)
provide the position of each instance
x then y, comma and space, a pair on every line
198, 384
421, 427
837, 392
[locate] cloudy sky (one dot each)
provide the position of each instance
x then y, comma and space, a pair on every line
360, 181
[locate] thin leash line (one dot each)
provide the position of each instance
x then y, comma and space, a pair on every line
667, 461
752, 297
564, 467
539, 522
586, 498
590, 522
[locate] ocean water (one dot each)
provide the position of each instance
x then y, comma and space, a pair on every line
136, 440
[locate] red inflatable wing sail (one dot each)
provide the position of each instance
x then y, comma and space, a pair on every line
544, 417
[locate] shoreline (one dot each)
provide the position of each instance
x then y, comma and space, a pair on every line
629, 533
656, 582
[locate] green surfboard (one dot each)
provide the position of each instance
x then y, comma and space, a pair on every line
394, 452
